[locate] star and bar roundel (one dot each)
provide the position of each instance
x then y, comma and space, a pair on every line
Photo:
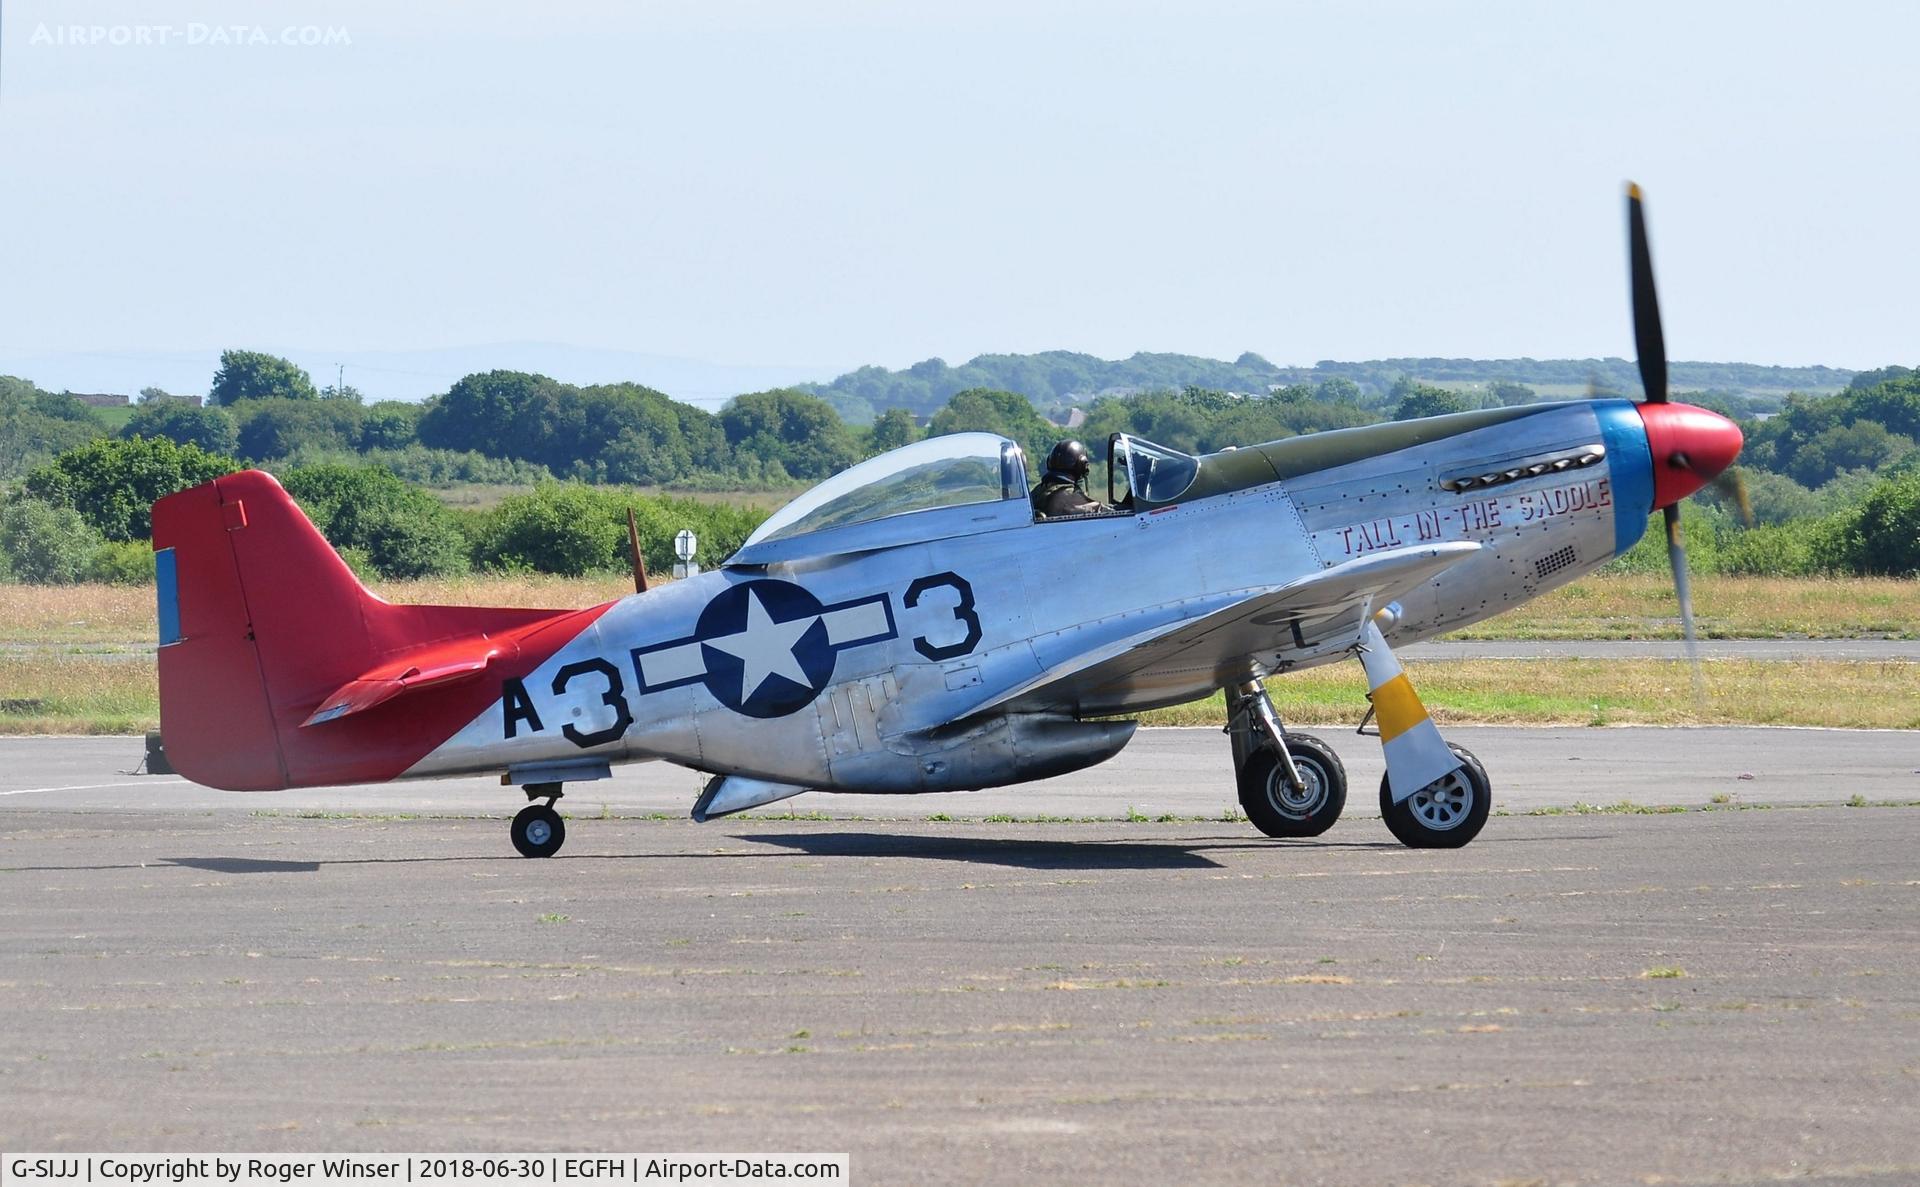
765, 648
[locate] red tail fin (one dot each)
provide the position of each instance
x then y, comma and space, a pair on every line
279, 669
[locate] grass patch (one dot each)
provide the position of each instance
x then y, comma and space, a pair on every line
78, 692
53, 614
318, 814
50, 693
1831, 693
1663, 973
113, 416
1641, 606
58, 680
1614, 606
1622, 808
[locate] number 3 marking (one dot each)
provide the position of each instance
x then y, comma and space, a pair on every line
614, 697
963, 612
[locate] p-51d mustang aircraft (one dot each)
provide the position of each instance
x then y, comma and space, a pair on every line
910, 626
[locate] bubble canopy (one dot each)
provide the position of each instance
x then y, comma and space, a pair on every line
957, 470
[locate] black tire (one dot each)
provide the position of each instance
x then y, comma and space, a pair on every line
1275, 808
1434, 817
538, 831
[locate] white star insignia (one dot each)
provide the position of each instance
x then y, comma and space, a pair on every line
765, 647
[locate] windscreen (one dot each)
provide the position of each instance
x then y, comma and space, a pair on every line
950, 471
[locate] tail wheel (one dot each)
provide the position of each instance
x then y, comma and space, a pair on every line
1446, 813
1279, 809
538, 831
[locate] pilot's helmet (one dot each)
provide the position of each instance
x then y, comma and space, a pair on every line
1069, 458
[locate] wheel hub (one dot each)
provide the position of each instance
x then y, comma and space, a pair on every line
1443, 804
1298, 802
539, 832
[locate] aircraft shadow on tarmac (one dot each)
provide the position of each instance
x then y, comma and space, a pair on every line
1024, 853
1016, 852
245, 865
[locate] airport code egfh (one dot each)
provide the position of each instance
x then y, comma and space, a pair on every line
327, 1170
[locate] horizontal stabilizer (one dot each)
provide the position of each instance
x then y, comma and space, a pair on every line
446, 663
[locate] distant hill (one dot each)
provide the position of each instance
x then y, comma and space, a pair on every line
1047, 379
1609, 374
1057, 377
411, 374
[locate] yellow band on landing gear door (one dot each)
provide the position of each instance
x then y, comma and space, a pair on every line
1397, 707
1416, 754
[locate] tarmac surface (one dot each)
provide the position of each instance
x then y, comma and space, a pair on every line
1724, 994
1184, 771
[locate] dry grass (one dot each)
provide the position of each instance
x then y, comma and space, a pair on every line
1836, 694
62, 693
1628, 606
482, 496
123, 614
1641, 606
530, 589
90, 693
57, 680
77, 614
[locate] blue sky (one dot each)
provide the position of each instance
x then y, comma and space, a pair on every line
814, 186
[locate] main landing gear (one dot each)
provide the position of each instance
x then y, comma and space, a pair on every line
538, 830
1291, 785
1434, 795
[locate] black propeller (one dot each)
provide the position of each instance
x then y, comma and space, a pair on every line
1650, 345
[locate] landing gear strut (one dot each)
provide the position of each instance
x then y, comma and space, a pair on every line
1291, 785
1435, 795
538, 830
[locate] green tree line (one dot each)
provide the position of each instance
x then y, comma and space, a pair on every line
1812, 470
515, 427
85, 516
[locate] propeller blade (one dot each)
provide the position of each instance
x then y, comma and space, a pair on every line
1649, 343
1728, 484
1731, 484
1683, 590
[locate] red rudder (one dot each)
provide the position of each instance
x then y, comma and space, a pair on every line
263, 627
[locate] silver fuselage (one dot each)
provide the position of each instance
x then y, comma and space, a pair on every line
856, 680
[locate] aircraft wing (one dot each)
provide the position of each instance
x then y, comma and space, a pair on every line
1222, 644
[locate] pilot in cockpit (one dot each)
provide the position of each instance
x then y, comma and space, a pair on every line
1062, 490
